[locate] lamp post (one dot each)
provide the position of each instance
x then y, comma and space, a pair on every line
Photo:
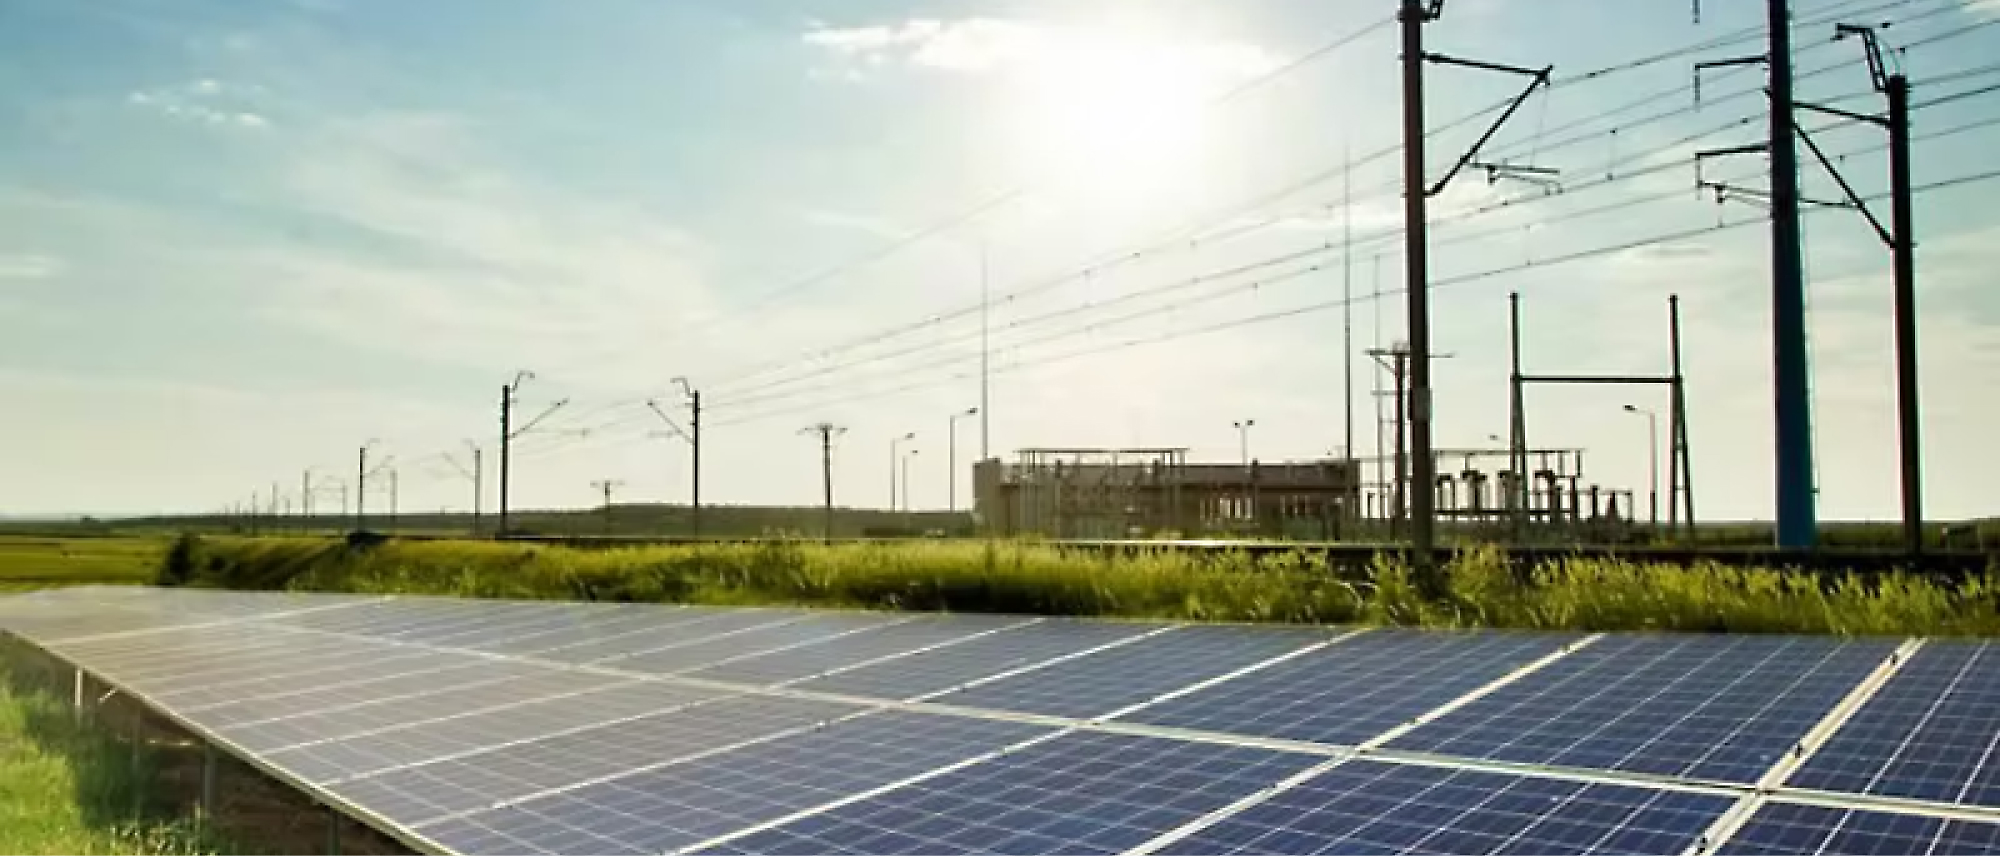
1652, 458
1243, 446
951, 458
895, 455
906, 485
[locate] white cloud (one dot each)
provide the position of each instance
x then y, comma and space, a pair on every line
1045, 51
29, 266
1983, 7
207, 101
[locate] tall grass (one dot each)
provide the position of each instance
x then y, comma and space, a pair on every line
1028, 578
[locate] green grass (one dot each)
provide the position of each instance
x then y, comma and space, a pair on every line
69, 787
32, 562
1587, 595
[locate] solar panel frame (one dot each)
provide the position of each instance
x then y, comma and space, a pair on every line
801, 663
1111, 680
1929, 733
1369, 806
681, 804
1782, 828
1079, 792
794, 635
668, 636
1652, 706
1353, 690
942, 669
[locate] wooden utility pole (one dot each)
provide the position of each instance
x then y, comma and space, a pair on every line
826, 431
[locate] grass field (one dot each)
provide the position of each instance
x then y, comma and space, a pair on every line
71, 787
31, 562
1588, 595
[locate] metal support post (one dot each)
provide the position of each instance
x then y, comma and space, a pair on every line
1413, 16
1797, 519
205, 810
1909, 425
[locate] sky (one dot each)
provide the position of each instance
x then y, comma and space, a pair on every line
238, 241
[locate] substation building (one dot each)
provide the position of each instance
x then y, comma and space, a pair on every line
1158, 492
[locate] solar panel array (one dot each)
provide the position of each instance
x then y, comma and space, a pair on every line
464, 726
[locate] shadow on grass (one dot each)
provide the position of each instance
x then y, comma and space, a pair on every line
134, 780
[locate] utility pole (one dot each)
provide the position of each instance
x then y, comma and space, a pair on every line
895, 456
951, 458
508, 433
906, 486
826, 431
1797, 520
1347, 295
607, 485
478, 483
1413, 16
361, 486
674, 430
395, 499
985, 351
1652, 458
694, 442
305, 498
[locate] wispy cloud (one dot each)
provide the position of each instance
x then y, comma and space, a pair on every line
207, 100
994, 45
29, 266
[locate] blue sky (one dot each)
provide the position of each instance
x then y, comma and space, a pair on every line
238, 239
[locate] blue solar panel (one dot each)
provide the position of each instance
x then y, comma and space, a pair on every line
441, 676
1367, 807
685, 803
797, 663
428, 791
944, 668
1355, 689
303, 725
620, 626
1781, 829
802, 633
1929, 733
1079, 793
728, 626
1707, 707
1128, 674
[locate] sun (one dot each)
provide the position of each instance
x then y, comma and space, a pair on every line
1114, 113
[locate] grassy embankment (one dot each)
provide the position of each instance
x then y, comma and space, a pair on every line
1024, 578
32, 561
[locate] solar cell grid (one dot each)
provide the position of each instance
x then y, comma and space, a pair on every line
804, 632
1928, 733
1369, 807
177, 652
1108, 680
1784, 829
682, 804
1355, 689
1080, 793
310, 726
796, 663
517, 621
434, 677
1707, 707
620, 625
730, 626
333, 666
426, 792
948, 667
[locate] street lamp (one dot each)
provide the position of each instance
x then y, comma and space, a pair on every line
906, 480
1243, 445
951, 458
1652, 457
895, 455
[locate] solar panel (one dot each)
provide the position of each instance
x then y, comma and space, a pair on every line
1355, 689
430, 791
475, 726
805, 631
1781, 829
678, 805
849, 651
944, 668
1108, 680
1369, 807
1929, 733
1721, 708
728, 626
1079, 793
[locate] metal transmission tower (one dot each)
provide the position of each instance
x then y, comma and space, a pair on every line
1413, 15
508, 398
826, 431
1900, 237
1792, 399
607, 486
